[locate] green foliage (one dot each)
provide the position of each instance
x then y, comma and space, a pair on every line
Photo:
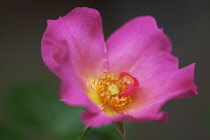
9, 134
37, 108
35, 111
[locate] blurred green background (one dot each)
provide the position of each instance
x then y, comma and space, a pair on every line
29, 102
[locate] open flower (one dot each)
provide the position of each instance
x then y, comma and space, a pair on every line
127, 78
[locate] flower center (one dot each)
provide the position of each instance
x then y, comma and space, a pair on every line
113, 93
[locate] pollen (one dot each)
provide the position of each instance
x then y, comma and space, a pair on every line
113, 89
115, 92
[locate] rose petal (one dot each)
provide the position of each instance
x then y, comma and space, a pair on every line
97, 119
81, 29
158, 90
128, 43
72, 84
151, 63
71, 89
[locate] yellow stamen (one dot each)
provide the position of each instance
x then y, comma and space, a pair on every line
105, 92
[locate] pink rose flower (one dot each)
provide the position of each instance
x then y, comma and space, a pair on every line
127, 78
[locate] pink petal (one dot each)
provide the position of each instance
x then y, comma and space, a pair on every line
81, 30
156, 91
72, 89
97, 119
72, 84
128, 44
152, 63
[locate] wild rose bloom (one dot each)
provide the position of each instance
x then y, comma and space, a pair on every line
127, 78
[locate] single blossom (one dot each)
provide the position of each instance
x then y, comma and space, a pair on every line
127, 78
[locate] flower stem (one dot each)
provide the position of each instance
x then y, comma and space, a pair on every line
120, 128
84, 133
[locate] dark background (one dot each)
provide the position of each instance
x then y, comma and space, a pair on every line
29, 105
